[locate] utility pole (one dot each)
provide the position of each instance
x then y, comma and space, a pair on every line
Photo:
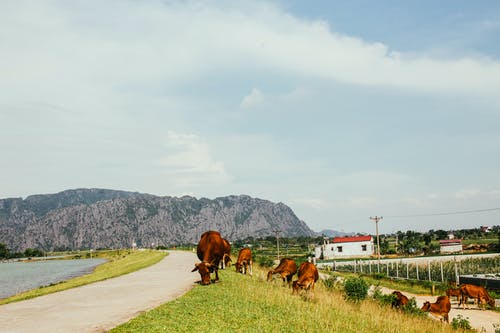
376, 219
277, 230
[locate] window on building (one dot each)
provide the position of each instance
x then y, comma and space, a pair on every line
363, 247
339, 248
332, 248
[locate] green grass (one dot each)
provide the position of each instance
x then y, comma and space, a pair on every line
119, 262
239, 303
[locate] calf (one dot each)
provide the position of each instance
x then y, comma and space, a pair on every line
287, 269
244, 262
440, 308
400, 300
453, 292
308, 275
226, 258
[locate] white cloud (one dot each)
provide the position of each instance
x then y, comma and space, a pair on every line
190, 160
253, 99
467, 193
315, 203
176, 43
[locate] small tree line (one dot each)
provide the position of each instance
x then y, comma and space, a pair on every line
5, 253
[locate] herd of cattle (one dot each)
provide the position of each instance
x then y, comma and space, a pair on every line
214, 251
441, 307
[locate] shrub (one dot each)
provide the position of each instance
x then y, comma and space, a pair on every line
460, 322
385, 299
356, 289
411, 307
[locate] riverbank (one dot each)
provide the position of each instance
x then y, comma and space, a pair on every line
100, 306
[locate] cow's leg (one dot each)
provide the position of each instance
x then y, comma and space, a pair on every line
250, 264
216, 274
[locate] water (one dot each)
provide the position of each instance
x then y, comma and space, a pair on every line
16, 277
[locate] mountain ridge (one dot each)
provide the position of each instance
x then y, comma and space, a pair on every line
103, 218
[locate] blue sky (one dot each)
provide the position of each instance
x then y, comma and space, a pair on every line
341, 110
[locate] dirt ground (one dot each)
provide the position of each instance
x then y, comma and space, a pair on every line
101, 306
482, 320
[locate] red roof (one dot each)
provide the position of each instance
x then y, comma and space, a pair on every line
352, 239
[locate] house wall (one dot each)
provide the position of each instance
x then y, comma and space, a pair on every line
349, 249
451, 248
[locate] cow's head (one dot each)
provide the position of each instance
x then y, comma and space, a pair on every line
239, 267
491, 302
204, 269
227, 259
426, 306
296, 286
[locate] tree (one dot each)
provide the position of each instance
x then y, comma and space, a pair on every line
4, 251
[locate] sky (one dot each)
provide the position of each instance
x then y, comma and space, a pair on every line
340, 110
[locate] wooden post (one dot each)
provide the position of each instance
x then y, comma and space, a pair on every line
442, 275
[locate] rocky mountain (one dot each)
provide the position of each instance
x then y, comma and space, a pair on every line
99, 218
334, 233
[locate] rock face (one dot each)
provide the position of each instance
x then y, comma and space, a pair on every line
97, 218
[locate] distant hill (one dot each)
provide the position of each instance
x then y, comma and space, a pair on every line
333, 233
100, 218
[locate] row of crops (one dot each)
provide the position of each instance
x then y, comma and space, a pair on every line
431, 270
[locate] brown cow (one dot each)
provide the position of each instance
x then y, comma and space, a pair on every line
226, 260
476, 292
400, 300
210, 251
440, 308
308, 275
287, 269
453, 292
244, 262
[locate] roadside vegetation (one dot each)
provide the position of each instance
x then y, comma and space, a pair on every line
239, 303
119, 262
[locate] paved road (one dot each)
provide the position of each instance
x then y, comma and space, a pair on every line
101, 306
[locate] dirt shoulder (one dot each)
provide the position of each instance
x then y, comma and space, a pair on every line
101, 306
482, 320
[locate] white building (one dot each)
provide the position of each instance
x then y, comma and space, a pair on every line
345, 247
450, 245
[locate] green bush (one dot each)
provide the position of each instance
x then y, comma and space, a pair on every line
460, 322
411, 307
356, 289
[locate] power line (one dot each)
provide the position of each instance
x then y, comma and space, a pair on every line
448, 213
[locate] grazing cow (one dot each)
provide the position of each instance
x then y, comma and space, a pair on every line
287, 269
244, 262
400, 300
308, 275
440, 308
453, 292
210, 251
476, 292
226, 260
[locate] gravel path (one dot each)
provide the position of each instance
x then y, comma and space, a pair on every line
101, 306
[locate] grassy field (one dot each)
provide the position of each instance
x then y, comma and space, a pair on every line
240, 303
119, 262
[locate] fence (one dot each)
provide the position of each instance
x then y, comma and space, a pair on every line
438, 269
